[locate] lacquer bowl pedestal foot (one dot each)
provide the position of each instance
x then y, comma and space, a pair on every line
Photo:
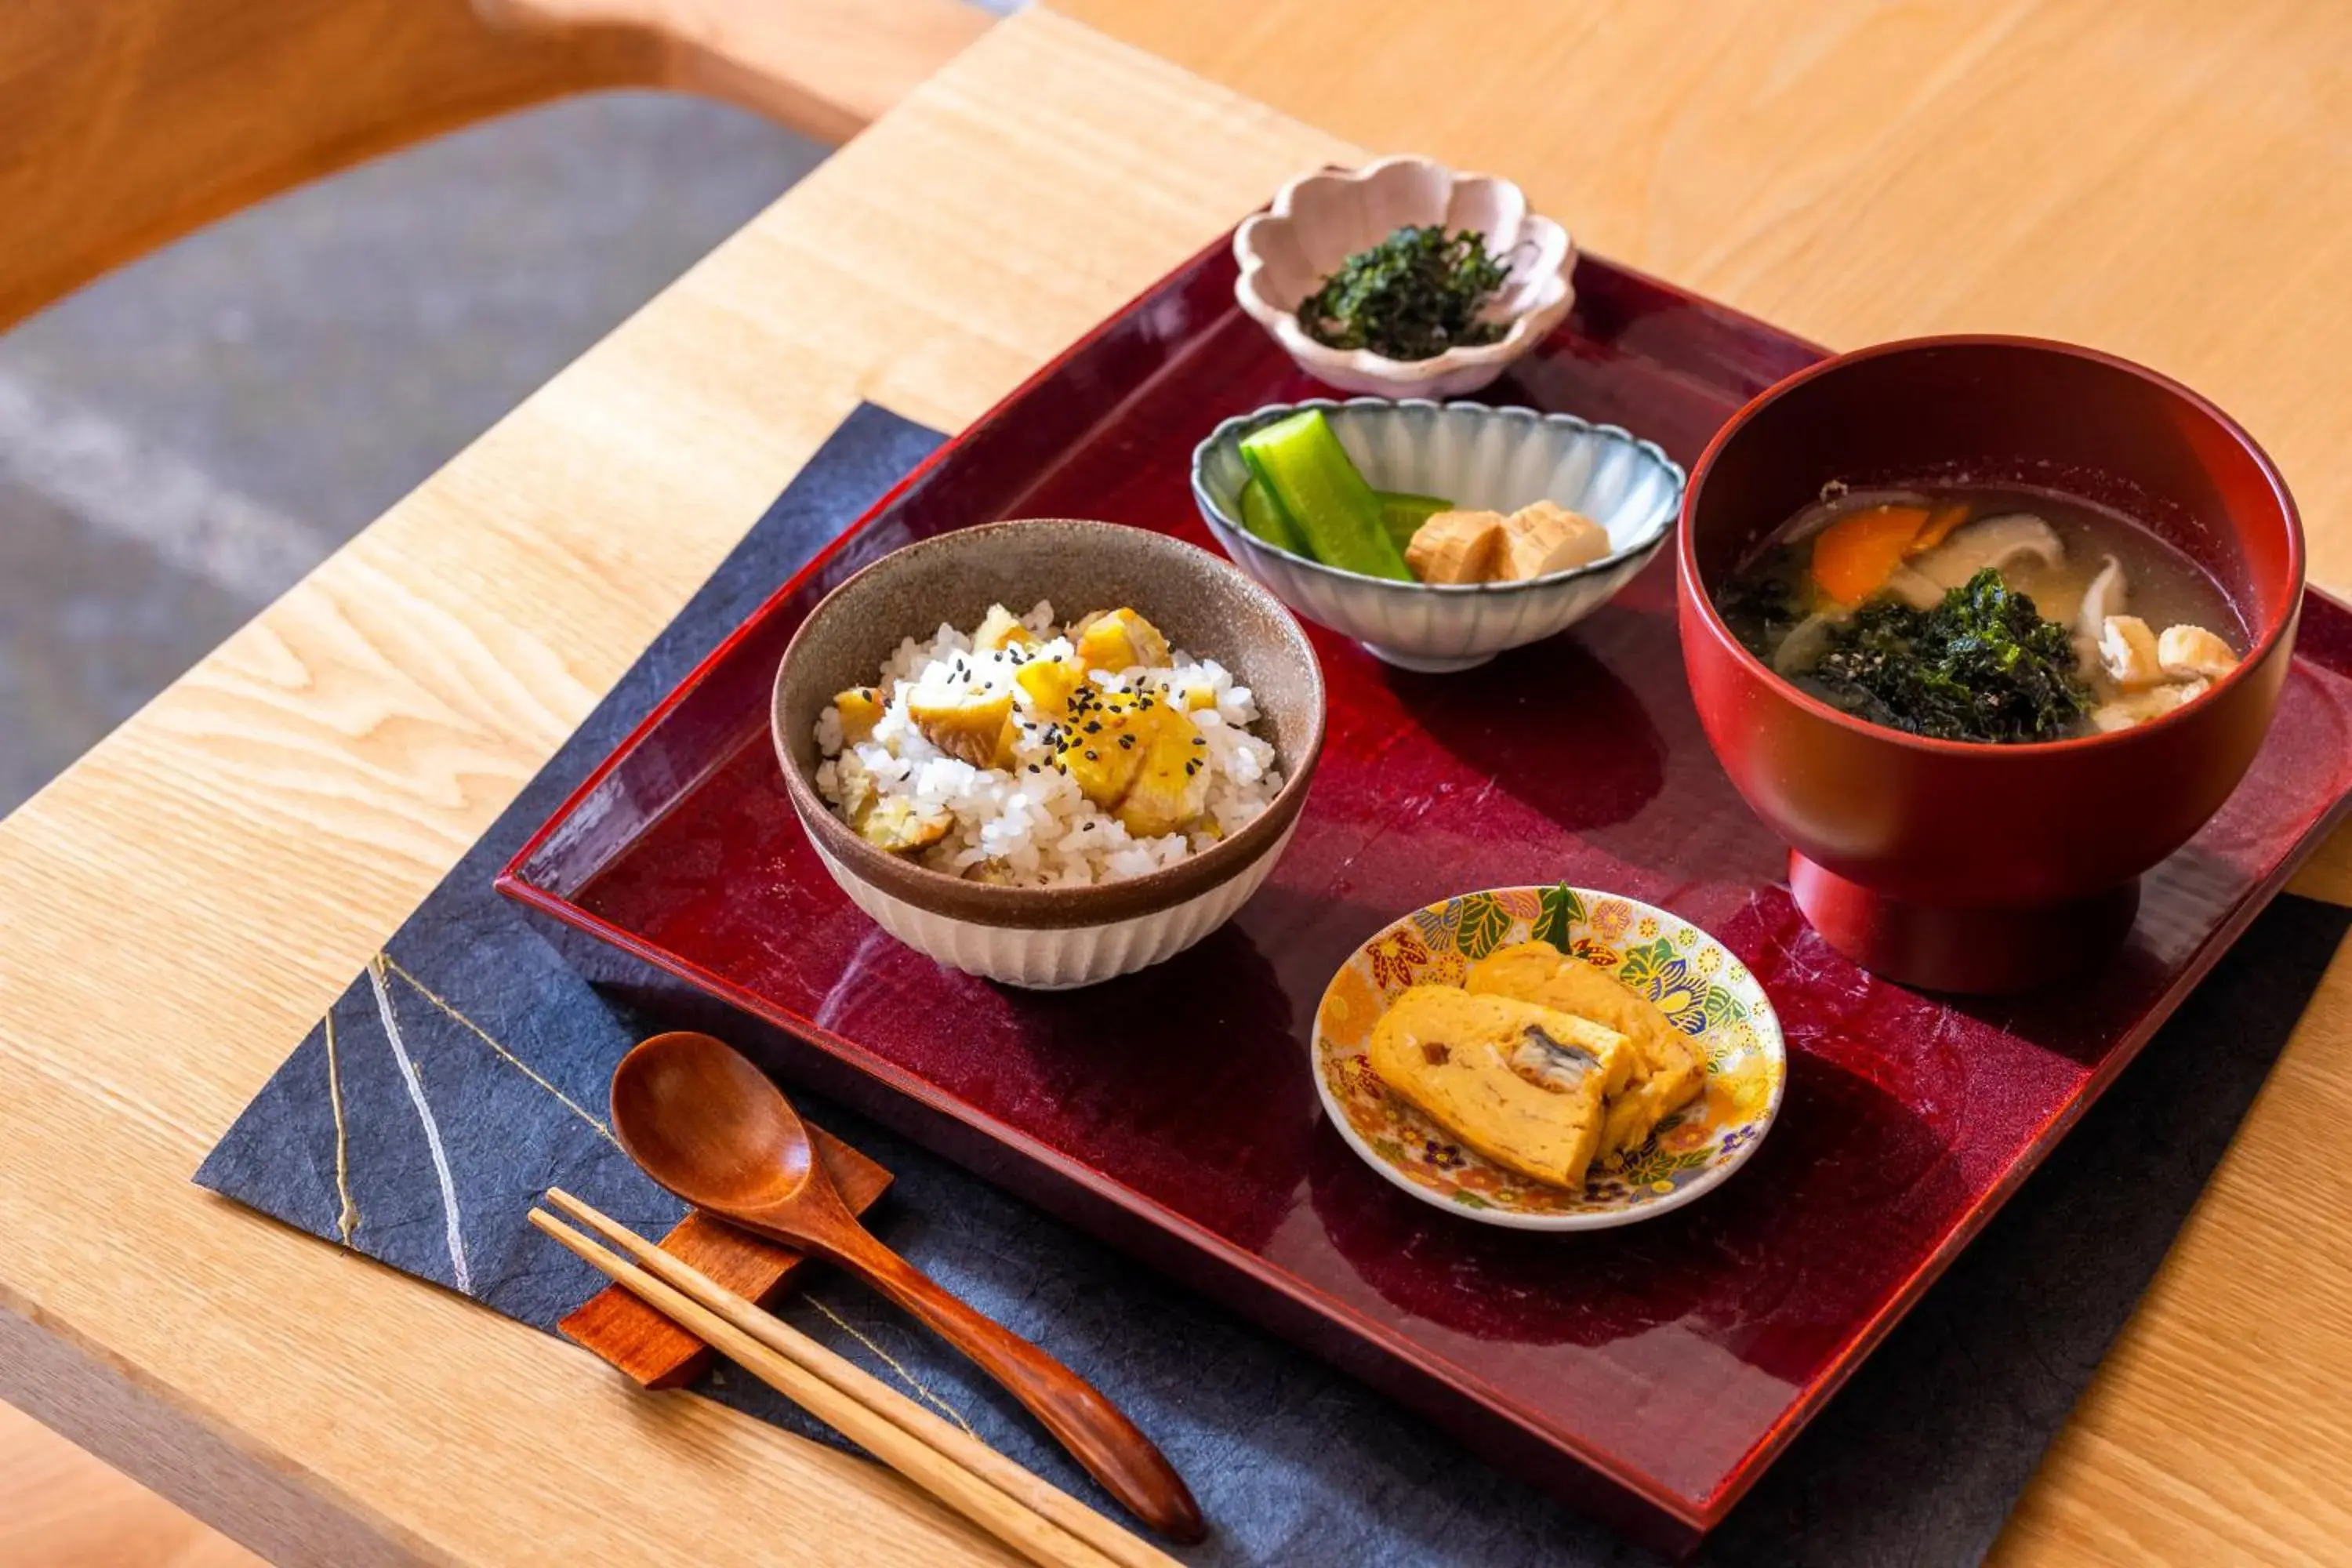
1975, 949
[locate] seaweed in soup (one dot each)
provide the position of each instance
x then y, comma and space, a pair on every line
1981, 666
1983, 613
1762, 605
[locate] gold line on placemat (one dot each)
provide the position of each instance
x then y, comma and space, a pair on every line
908, 1378
348, 1221
520, 1066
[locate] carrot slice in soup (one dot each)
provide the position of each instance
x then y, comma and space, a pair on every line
1938, 526
1855, 555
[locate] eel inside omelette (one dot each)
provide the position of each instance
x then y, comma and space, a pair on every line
1539, 1061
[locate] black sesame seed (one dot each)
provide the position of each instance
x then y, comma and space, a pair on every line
1092, 758
1086, 827
1127, 741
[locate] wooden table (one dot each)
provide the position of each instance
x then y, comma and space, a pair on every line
2171, 183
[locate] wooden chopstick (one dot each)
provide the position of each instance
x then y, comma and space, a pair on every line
999, 1491
1024, 1486
1019, 1527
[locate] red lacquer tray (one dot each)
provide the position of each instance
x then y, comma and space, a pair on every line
1651, 1372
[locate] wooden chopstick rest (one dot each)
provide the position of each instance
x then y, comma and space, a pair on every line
1020, 1508
656, 1350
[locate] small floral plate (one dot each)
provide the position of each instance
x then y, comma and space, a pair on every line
1702, 989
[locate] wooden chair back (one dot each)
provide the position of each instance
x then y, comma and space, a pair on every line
126, 124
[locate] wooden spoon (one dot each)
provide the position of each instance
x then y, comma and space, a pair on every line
708, 1125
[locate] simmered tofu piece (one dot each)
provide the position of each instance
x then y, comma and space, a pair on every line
859, 707
1669, 1074
2139, 707
1513, 1081
2127, 652
2189, 653
1545, 537
1456, 547
1121, 640
976, 726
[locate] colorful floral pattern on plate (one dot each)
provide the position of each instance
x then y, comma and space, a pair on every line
1702, 989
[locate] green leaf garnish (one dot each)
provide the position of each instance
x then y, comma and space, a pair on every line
1559, 909
1411, 297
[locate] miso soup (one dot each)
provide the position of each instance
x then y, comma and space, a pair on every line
1969, 612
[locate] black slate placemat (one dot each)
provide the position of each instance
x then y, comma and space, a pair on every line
464, 1073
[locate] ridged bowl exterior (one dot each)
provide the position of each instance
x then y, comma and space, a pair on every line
1057, 960
1476, 456
1318, 220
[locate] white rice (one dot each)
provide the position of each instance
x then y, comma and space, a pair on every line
1029, 825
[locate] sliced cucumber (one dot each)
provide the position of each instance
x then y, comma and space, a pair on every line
1316, 486
1264, 518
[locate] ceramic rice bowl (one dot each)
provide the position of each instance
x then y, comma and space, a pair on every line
1052, 937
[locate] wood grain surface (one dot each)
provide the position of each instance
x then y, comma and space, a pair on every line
61, 1508
179, 906
182, 904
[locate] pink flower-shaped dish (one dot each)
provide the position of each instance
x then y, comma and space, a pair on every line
1318, 220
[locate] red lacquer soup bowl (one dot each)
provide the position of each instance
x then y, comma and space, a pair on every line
1952, 865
